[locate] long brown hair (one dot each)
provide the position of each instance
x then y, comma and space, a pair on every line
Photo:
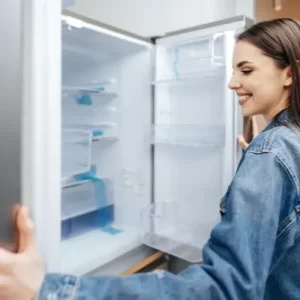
280, 40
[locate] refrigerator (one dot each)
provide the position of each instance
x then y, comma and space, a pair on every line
127, 143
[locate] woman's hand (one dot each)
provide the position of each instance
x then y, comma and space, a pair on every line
22, 273
241, 140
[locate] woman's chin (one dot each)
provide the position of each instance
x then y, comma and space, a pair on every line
247, 112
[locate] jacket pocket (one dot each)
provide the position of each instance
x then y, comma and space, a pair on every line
224, 202
287, 222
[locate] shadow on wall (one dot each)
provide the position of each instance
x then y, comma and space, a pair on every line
67, 3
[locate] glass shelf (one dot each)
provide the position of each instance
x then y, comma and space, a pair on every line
105, 132
96, 248
106, 138
82, 93
71, 182
101, 132
83, 89
186, 135
103, 88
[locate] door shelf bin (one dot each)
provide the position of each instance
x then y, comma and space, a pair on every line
186, 59
194, 68
86, 206
76, 151
186, 135
189, 82
211, 48
165, 228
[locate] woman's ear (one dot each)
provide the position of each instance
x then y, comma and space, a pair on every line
288, 77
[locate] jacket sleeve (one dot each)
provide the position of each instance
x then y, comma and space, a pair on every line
236, 259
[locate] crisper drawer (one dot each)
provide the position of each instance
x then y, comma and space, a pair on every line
167, 228
86, 206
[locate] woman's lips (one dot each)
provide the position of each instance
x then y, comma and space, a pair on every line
244, 98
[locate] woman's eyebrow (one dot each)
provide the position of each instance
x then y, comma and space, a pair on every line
241, 63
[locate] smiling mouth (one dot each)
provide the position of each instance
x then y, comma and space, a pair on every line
244, 98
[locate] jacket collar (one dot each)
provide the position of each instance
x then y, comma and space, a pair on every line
284, 117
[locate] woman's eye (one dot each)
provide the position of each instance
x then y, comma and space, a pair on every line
246, 71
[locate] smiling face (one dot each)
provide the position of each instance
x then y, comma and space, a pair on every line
262, 87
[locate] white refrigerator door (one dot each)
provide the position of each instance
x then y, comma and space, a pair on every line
10, 127
40, 120
196, 122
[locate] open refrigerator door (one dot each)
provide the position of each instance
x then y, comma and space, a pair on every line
194, 137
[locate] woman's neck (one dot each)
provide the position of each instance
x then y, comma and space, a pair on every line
269, 117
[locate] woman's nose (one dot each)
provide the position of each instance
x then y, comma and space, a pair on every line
234, 84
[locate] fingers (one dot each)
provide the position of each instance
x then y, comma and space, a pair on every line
242, 142
25, 229
255, 129
15, 212
6, 258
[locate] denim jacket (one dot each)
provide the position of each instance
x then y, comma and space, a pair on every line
253, 253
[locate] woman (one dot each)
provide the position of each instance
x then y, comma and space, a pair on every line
254, 252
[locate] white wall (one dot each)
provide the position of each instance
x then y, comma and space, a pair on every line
246, 7
156, 17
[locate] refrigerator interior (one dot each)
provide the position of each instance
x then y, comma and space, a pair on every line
193, 138
106, 104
